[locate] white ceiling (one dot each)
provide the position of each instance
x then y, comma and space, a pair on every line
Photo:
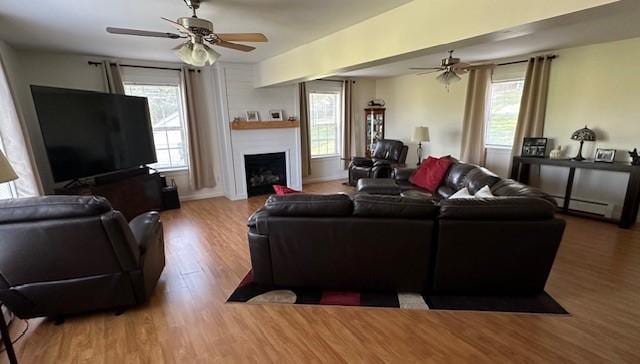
79, 26
609, 23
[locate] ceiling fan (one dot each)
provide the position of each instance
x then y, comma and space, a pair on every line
200, 37
450, 67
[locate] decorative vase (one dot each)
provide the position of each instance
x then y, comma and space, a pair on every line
556, 153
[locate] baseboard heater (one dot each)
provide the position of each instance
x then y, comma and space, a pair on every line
598, 208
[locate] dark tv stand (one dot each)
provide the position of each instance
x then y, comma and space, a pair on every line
131, 192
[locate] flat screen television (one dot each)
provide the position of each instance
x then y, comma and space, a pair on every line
89, 133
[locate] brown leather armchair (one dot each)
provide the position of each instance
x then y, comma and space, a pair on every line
387, 155
63, 255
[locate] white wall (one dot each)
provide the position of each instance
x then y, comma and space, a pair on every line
597, 85
237, 95
73, 71
421, 101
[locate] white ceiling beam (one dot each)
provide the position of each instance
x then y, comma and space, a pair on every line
413, 29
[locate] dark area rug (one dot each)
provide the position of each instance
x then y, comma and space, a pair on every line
249, 292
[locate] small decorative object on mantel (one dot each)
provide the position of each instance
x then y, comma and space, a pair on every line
556, 153
292, 118
253, 115
276, 115
534, 147
376, 103
605, 155
582, 135
237, 119
635, 158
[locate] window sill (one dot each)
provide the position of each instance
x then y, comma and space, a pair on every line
499, 147
332, 156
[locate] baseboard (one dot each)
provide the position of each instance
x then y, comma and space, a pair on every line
201, 196
323, 179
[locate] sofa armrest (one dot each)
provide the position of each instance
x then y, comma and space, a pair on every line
145, 228
403, 173
362, 162
497, 208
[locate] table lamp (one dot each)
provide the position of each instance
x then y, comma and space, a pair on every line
6, 172
420, 134
582, 135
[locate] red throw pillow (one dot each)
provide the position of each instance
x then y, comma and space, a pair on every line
283, 190
431, 173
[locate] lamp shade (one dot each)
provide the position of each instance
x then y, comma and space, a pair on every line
420, 134
584, 135
6, 172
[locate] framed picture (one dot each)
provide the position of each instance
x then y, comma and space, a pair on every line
253, 116
276, 115
534, 147
605, 155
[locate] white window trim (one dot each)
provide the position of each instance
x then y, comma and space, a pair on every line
332, 88
488, 115
153, 77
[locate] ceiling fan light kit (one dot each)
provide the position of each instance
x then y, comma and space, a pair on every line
197, 51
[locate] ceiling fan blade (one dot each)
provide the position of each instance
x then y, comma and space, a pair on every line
144, 33
239, 47
426, 73
179, 26
460, 65
242, 37
425, 68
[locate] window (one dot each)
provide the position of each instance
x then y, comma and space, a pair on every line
503, 113
7, 189
166, 121
324, 123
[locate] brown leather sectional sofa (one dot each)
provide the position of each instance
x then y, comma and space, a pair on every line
504, 245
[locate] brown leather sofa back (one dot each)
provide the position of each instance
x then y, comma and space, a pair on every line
365, 205
497, 208
301, 204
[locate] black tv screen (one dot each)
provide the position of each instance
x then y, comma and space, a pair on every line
88, 133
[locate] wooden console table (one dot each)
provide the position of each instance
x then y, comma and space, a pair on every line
521, 167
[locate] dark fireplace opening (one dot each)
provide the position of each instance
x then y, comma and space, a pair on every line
263, 171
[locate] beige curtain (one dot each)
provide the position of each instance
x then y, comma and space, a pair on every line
198, 134
475, 115
305, 142
15, 142
113, 78
348, 130
533, 104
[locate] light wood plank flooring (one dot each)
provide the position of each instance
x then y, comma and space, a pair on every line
596, 277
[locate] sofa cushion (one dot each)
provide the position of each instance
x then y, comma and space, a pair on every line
479, 177
283, 190
509, 187
302, 204
378, 186
462, 194
366, 205
497, 208
431, 173
456, 177
484, 192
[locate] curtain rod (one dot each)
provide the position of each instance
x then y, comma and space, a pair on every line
552, 56
137, 66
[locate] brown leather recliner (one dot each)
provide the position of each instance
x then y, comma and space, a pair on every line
63, 255
387, 155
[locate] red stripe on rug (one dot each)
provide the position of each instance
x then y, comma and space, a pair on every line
340, 298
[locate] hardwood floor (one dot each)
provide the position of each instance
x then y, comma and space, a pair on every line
596, 277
